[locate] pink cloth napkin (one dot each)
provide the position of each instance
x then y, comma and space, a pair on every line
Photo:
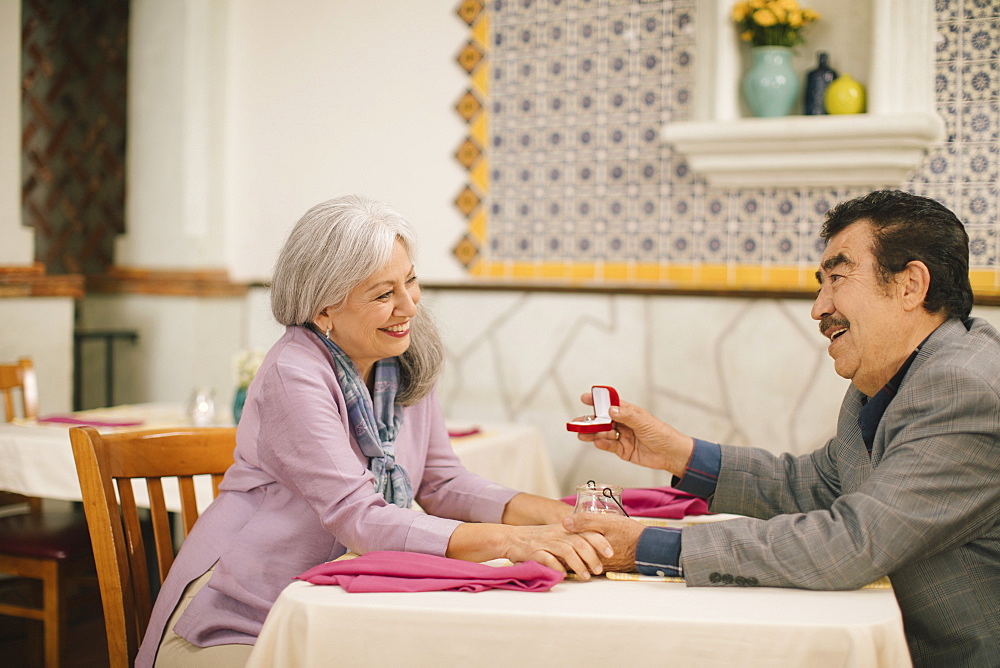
66, 419
412, 571
664, 502
459, 432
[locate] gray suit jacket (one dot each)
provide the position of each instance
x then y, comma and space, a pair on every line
925, 509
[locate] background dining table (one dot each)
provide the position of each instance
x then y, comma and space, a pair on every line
36, 457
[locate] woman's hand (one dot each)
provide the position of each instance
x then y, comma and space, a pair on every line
555, 547
550, 545
642, 439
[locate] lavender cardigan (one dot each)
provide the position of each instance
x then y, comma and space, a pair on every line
300, 494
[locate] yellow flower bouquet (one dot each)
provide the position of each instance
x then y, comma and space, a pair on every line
772, 22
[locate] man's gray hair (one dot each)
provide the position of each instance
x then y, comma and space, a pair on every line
335, 247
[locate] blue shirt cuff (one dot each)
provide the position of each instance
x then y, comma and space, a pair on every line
659, 552
702, 473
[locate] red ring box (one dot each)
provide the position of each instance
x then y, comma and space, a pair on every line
604, 398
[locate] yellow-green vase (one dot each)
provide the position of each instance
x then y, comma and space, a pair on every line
845, 96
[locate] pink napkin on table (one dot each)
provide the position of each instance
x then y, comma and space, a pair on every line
664, 502
459, 432
411, 571
67, 419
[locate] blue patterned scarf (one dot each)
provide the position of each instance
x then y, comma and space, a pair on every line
374, 421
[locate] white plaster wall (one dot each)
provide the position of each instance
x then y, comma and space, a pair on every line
242, 115
17, 244
736, 371
174, 174
184, 342
41, 328
327, 98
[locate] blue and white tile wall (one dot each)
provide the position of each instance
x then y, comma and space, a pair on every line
581, 88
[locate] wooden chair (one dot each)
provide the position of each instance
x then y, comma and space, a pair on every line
49, 546
20, 377
105, 462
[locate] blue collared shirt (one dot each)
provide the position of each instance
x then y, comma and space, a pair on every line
659, 548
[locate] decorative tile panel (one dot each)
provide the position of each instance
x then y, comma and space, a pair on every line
581, 186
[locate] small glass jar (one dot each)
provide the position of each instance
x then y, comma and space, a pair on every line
201, 407
599, 498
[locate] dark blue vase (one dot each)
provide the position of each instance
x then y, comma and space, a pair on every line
238, 401
817, 81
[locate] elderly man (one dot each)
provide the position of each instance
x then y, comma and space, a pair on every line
910, 485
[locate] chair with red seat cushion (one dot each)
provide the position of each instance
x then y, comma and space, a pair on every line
42, 545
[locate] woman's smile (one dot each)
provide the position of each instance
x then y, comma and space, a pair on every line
397, 331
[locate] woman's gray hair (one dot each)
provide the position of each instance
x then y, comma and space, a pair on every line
335, 247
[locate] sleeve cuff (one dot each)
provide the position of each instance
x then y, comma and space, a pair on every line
659, 552
702, 473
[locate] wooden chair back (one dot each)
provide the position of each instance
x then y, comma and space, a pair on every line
107, 463
19, 378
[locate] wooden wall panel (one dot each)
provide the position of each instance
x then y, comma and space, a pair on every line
73, 71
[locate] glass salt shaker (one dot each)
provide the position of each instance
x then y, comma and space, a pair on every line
599, 498
201, 407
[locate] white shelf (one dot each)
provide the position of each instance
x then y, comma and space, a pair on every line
879, 148
862, 149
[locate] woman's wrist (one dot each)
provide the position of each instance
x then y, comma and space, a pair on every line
472, 541
531, 509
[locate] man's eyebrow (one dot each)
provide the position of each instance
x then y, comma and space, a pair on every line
832, 262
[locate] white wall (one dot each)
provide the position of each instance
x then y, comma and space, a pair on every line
184, 342
737, 371
41, 328
16, 242
327, 98
242, 115
174, 177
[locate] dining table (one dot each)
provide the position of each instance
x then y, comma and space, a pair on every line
630, 620
36, 458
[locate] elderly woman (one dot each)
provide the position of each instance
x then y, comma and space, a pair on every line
341, 432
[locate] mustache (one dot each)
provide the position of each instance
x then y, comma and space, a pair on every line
831, 321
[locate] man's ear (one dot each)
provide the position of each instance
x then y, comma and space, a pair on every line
914, 282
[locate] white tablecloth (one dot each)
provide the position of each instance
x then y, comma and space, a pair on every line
600, 623
37, 459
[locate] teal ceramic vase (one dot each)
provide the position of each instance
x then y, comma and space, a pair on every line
771, 86
238, 401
